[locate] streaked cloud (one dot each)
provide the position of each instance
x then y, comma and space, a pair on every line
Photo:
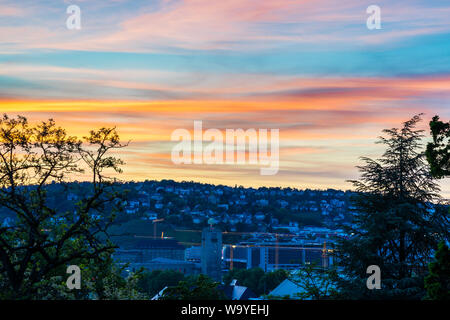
309, 68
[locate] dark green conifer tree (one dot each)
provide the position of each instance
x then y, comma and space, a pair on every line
396, 223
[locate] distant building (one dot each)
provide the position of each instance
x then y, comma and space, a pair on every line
262, 202
160, 248
193, 254
131, 210
266, 256
287, 289
185, 267
211, 258
292, 290
260, 216
150, 215
212, 199
223, 206
283, 203
145, 250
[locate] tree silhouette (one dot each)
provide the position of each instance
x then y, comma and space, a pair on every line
437, 282
42, 241
396, 225
438, 151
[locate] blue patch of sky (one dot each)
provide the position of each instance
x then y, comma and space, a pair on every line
418, 56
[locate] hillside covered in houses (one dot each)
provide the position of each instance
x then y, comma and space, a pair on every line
190, 205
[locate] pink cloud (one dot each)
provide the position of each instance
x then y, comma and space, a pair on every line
228, 25
203, 24
11, 11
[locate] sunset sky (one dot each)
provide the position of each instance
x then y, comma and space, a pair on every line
311, 69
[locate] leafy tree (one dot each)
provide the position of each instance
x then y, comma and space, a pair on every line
256, 279
316, 283
438, 151
251, 278
395, 225
36, 249
105, 280
153, 282
438, 156
194, 288
437, 282
273, 279
101, 280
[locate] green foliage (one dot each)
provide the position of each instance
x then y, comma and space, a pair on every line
395, 225
43, 240
316, 283
194, 288
437, 283
438, 151
153, 282
256, 279
105, 281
